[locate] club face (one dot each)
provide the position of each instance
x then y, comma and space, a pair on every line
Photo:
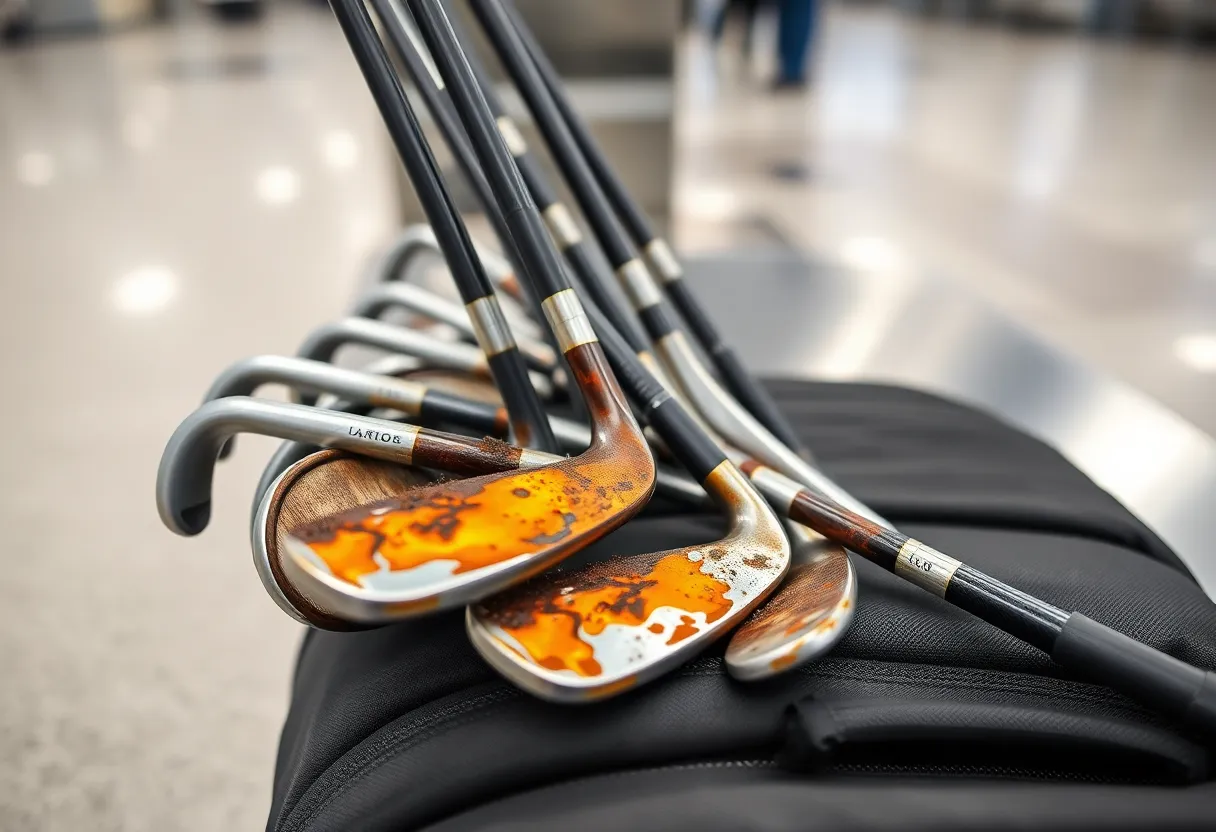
452, 543
804, 619
595, 632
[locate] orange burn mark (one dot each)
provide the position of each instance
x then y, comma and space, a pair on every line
549, 621
845, 604
686, 628
475, 523
782, 662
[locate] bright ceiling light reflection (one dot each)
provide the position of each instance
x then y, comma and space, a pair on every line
1197, 351
339, 149
145, 291
872, 254
278, 185
35, 169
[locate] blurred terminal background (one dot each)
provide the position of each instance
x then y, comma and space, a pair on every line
184, 183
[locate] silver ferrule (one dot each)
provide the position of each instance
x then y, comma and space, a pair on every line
778, 489
490, 326
562, 226
639, 285
511, 136
569, 322
666, 266
534, 459
926, 567
398, 394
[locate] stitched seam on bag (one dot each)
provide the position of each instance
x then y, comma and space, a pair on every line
1028, 683
468, 712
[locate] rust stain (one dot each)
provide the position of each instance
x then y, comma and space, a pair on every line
481, 522
687, 627
804, 603
476, 522
782, 662
502, 422
548, 616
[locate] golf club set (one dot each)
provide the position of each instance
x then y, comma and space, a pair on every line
457, 471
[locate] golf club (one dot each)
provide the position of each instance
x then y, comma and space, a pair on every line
283, 499
1089, 649
452, 543
626, 640
725, 416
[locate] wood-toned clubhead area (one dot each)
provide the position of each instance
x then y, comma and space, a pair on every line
321, 484
798, 622
588, 633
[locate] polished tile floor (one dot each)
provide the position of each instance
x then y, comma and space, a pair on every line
1070, 183
176, 198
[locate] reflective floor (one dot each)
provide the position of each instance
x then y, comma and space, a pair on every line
173, 199
1070, 183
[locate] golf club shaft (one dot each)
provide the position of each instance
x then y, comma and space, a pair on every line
563, 228
1089, 649
530, 424
741, 384
685, 440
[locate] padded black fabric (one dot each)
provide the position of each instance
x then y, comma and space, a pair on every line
405, 726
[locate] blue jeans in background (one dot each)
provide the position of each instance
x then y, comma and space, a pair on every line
795, 29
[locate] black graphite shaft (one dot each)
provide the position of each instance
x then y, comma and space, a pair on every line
403, 38
562, 226
657, 316
530, 423
683, 436
1089, 649
742, 385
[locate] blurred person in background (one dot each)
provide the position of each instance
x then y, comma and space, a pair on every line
795, 28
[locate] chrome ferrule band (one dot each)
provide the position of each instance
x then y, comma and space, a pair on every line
568, 320
514, 139
392, 443
398, 394
926, 567
664, 260
490, 326
562, 226
779, 490
534, 459
639, 285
